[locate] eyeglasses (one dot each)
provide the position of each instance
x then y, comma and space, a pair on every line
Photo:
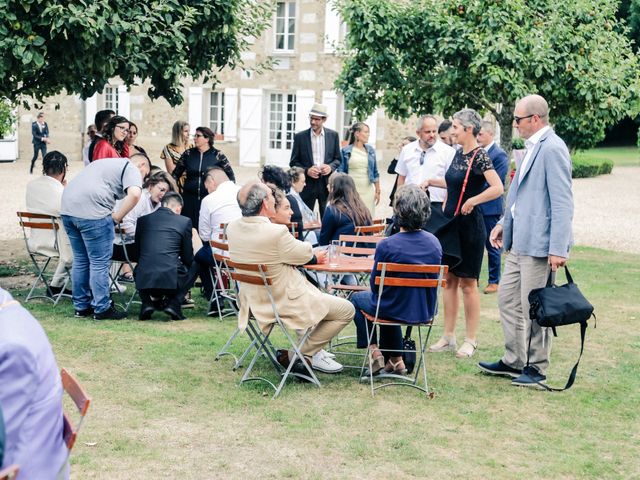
198, 135
422, 157
518, 119
124, 129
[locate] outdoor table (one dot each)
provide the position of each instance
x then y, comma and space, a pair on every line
358, 266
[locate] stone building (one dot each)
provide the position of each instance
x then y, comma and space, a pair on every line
254, 115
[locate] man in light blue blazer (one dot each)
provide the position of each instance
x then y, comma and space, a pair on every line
493, 209
30, 396
536, 231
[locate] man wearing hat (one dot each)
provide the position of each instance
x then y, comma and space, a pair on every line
317, 151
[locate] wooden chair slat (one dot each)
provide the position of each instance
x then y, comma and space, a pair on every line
251, 279
409, 282
408, 268
30, 215
219, 245
40, 225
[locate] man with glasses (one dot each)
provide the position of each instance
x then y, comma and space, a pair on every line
317, 151
536, 232
424, 163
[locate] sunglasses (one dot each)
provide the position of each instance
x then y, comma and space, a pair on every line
518, 119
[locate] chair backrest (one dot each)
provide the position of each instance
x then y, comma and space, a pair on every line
82, 402
219, 245
378, 221
392, 281
37, 221
9, 473
259, 279
375, 229
349, 244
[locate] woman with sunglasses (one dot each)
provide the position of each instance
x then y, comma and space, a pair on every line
195, 162
113, 143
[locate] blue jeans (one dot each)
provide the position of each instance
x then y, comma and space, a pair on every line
390, 336
92, 245
493, 254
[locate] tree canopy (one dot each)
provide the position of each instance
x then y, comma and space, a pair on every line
440, 56
78, 45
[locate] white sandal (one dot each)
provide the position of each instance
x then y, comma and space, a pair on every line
445, 344
467, 349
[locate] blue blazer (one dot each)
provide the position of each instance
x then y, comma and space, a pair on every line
501, 163
543, 202
37, 135
334, 224
374, 176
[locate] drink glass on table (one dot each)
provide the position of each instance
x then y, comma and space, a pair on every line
334, 253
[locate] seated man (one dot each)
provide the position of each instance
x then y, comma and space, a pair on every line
44, 195
220, 206
411, 210
30, 395
166, 270
254, 239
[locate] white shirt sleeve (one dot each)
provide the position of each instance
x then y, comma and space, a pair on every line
401, 166
204, 224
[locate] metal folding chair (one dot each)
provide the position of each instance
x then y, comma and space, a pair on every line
40, 260
256, 274
119, 231
82, 402
375, 229
385, 280
224, 296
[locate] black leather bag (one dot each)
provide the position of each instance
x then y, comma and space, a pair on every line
408, 356
554, 306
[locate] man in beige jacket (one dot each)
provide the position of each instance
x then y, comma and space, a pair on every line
254, 239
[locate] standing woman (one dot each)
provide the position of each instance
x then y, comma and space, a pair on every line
172, 152
463, 239
195, 162
113, 142
359, 161
132, 137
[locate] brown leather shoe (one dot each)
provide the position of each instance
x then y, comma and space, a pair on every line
491, 288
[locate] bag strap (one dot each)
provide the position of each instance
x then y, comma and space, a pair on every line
407, 333
466, 178
574, 370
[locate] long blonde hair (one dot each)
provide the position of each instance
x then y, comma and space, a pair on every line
176, 134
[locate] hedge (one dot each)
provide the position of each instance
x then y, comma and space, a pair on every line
592, 167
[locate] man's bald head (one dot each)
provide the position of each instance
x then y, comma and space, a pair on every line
214, 178
535, 105
251, 198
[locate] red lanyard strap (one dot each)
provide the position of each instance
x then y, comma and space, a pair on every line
466, 178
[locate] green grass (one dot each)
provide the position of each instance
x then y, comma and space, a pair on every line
620, 156
163, 408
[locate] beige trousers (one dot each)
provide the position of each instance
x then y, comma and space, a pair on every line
521, 274
340, 313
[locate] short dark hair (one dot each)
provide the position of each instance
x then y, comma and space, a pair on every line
411, 207
54, 163
40, 114
208, 134
444, 126
171, 198
276, 176
101, 118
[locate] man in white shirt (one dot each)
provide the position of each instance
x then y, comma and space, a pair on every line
425, 162
44, 195
220, 206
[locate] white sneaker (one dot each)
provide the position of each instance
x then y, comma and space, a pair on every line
324, 353
325, 364
118, 288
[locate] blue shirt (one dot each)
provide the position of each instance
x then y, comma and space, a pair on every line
406, 304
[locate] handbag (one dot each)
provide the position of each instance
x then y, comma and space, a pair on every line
409, 351
554, 306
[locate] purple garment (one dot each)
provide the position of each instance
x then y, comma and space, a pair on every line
30, 394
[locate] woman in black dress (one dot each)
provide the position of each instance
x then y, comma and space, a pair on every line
195, 162
463, 239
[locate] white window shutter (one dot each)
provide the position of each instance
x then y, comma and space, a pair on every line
230, 114
90, 110
195, 108
331, 27
330, 100
304, 103
250, 126
372, 121
124, 106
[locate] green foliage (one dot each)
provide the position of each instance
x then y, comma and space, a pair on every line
517, 143
638, 141
586, 167
416, 57
7, 118
50, 46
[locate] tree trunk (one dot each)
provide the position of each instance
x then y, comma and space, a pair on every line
505, 120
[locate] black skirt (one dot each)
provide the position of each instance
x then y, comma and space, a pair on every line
463, 238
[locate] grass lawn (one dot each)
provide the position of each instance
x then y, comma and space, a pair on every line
620, 156
163, 408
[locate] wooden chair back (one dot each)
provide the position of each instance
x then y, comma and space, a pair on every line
375, 229
82, 402
393, 281
9, 473
219, 245
27, 221
349, 244
260, 279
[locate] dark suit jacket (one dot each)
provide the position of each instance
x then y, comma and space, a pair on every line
301, 155
37, 134
166, 252
501, 163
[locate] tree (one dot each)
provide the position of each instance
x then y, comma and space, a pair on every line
78, 45
416, 57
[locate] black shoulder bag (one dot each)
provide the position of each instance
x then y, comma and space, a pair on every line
409, 353
553, 306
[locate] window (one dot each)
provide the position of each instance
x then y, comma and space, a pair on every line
285, 28
111, 98
347, 120
282, 120
216, 113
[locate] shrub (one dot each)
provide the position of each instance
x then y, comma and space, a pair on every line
590, 167
517, 143
7, 118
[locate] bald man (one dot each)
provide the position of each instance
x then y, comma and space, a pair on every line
254, 239
536, 232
